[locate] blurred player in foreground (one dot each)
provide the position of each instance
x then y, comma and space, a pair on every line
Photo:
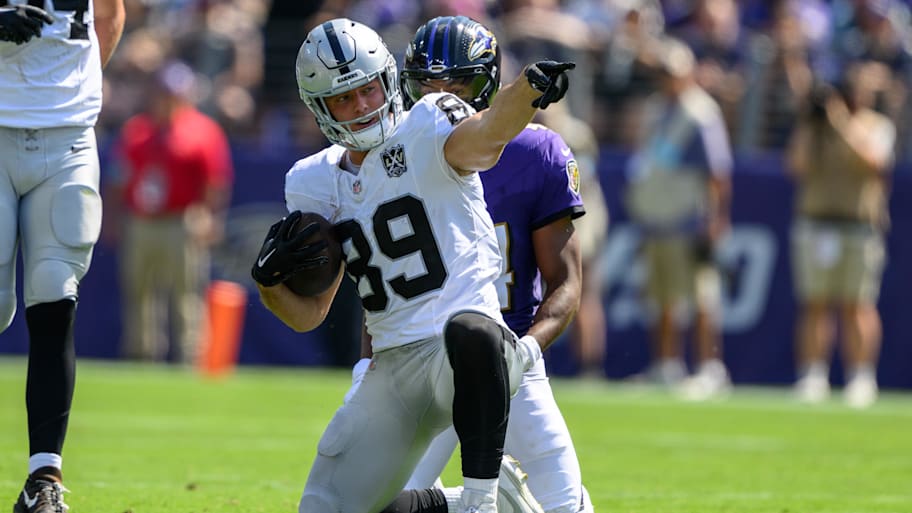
532, 195
50, 97
404, 193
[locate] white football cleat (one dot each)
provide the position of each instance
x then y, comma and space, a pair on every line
711, 382
861, 392
812, 388
669, 372
513, 495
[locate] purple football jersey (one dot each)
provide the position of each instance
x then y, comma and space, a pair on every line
535, 183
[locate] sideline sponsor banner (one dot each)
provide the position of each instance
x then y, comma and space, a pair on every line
758, 306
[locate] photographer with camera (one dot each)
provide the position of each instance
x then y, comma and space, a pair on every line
678, 196
839, 157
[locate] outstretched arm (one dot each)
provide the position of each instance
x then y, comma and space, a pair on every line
476, 143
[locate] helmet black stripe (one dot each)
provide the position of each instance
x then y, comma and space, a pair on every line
333, 41
431, 33
446, 44
440, 45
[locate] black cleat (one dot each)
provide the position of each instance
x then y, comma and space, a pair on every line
41, 496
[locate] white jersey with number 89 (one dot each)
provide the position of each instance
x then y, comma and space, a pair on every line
418, 239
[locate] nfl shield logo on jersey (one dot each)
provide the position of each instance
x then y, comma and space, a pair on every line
394, 161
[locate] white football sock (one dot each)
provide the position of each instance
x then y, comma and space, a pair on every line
45, 459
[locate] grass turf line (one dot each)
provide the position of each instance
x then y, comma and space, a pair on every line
149, 439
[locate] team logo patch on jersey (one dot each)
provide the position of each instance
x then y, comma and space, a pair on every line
573, 175
394, 161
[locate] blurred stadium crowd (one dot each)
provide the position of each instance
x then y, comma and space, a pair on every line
759, 59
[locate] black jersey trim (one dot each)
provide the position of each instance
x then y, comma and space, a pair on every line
574, 212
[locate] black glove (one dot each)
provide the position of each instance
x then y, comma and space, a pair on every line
549, 78
20, 23
284, 253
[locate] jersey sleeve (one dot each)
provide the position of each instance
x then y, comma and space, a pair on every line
559, 195
445, 111
310, 187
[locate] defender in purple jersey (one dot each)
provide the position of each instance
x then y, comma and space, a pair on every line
533, 196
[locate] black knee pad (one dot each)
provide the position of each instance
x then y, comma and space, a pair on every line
471, 336
481, 400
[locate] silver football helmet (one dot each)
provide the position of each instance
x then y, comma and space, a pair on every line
339, 56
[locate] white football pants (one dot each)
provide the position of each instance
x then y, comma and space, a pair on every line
372, 444
537, 436
48, 195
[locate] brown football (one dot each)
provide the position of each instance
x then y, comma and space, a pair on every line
313, 282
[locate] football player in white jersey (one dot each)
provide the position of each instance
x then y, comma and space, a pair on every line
51, 56
403, 192
532, 200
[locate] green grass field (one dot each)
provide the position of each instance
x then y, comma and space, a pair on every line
150, 439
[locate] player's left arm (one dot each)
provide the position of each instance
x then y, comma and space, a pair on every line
557, 252
477, 142
298, 312
283, 253
109, 24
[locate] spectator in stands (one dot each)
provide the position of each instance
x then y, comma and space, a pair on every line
839, 158
171, 197
779, 73
881, 31
140, 53
534, 29
283, 120
678, 195
621, 78
226, 52
873, 30
714, 33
